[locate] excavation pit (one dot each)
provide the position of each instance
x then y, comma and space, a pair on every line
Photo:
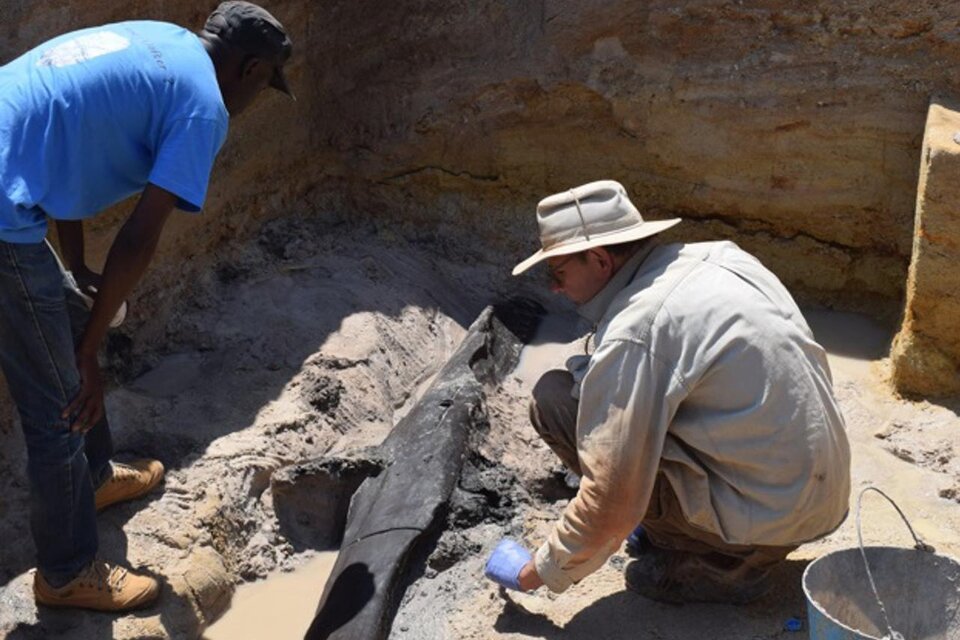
230, 404
350, 239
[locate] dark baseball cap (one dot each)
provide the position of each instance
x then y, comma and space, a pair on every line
253, 30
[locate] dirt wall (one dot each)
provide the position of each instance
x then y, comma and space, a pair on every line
925, 356
796, 132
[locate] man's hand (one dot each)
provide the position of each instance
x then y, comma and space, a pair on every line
511, 566
87, 406
87, 280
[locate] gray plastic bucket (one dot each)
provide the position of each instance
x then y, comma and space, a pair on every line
879, 593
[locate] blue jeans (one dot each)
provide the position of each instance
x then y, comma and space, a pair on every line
39, 323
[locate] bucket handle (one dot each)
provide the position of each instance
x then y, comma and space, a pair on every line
919, 546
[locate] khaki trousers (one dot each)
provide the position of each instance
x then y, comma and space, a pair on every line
553, 412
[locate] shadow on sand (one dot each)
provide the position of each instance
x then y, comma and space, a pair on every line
626, 615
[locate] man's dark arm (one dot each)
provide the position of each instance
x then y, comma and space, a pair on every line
70, 233
131, 252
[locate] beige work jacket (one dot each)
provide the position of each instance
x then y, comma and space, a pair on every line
704, 369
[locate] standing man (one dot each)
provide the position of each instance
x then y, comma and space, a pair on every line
86, 120
705, 413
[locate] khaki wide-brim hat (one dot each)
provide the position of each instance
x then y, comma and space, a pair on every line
591, 215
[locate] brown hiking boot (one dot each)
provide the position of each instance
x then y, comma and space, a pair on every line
128, 481
677, 577
101, 587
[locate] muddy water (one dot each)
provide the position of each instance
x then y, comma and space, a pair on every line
280, 607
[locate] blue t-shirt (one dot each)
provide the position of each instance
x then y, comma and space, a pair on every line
90, 117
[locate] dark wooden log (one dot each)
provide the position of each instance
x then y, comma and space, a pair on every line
404, 505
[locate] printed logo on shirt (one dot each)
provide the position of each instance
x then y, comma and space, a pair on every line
83, 48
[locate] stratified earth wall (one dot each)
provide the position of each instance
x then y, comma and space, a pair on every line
796, 132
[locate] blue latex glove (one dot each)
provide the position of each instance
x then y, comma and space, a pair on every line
505, 563
637, 541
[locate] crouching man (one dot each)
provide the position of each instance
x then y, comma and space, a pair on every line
703, 425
